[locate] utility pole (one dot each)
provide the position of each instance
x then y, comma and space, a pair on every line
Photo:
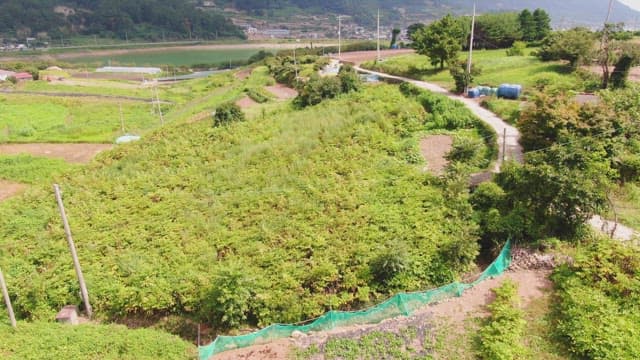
378, 37
121, 118
7, 300
469, 60
295, 64
159, 108
604, 49
74, 254
339, 37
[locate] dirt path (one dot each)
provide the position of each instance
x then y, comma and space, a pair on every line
9, 189
506, 133
282, 92
246, 102
73, 153
434, 149
533, 285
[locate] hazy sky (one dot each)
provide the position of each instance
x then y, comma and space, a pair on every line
634, 4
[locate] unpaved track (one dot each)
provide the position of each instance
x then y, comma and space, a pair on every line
9, 189
73, 153
434, 148
507, 134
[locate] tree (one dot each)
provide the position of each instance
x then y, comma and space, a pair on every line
542, 22
440, 41
394, 37
527, 25
226, 114
575, 46
413, 29
460, 75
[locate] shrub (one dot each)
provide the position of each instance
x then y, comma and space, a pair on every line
501, 336
226, 114
349, 79
226, 303
261, 55
464, 149
517, 49
387, 265
257, 96
317, 89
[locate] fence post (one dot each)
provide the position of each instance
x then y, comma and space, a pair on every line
74, 254
7, 300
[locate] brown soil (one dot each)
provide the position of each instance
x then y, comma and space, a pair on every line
634, 74
282, 92
434, 149
533, 284
9, 189
241, 75
74, 153
246, 102
358, 57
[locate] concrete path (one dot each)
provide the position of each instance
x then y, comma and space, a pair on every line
509, 138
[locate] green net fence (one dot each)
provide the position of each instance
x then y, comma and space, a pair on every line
403, 304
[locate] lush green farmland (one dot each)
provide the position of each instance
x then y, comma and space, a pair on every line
497, 68
32, 118
289, 209
32, 170
115, 342
171, 57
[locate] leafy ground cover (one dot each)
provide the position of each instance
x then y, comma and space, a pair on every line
29, 118
597, 307
32, 170
275, 219
497, 68
55, 341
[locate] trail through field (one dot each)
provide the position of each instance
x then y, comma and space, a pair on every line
434, 148
73, 153
246, 102
9, 189
509, 145
282, 92
454, 312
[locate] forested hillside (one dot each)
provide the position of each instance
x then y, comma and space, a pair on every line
148, 19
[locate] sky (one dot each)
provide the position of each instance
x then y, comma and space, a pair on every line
634, 4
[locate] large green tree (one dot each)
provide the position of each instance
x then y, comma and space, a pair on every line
575, 46
542, 22
440, 41
527, 25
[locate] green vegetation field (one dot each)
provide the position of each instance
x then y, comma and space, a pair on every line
289, 209
32, 170
29, 118
54, 341
497, 68
171, 57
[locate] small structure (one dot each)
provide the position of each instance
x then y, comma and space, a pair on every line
128, 138
23, 76
68, 315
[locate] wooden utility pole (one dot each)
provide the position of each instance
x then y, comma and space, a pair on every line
74, 254
339, 37
378, 58
604, 49
7, 300
473, 29
121, 118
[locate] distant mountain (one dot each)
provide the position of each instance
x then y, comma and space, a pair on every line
146, 19
565, 13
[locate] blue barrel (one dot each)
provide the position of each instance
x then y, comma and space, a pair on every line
484, 90
509, 91
473, 93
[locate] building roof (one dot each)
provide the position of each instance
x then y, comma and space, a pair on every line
7, 72
23, 76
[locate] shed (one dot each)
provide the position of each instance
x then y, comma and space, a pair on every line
23, 76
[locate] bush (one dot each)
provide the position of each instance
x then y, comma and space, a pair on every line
261, 55
464, 149
517, 49
257, 96
226, 304
227, 113
501, 336
386, 266
317, 89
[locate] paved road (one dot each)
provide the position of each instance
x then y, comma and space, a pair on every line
513, 150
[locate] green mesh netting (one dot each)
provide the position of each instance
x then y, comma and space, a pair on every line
401, 304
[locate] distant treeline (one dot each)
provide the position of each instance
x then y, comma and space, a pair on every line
144, 19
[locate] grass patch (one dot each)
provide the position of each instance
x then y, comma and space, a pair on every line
508, 110
172, 57
627, 202
497, 68
48, 119
55, 341
32, 170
